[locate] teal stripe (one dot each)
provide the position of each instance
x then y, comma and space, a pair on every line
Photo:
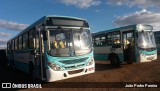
147, 52
22, 66
101, 57
104, 57
57, 59
121, 57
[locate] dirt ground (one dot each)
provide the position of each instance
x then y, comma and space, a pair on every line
104, 74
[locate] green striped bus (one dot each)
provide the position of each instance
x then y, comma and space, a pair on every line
133, 43
53, 48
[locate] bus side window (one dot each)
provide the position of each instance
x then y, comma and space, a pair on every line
20, 43
116, 38
12, 44
31, 39
113, 38
100, 40
109, 39
15, 44
97, 41
103, 40
25, 41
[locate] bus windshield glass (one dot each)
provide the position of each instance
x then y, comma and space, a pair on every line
69, 42
146, 39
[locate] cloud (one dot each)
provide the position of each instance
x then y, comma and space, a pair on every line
3, 44
81, 3
139, 3
12, 25
143, 4
2, 34
99, 10
143, 17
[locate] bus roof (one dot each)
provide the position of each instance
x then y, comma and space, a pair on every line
57, 16
134, 26
41, 20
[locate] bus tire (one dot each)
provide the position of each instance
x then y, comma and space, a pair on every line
114, 60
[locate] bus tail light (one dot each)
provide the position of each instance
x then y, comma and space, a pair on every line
54, 66
90, 62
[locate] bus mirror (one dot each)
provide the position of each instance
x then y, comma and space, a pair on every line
44, 35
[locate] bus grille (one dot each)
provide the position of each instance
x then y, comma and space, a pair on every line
74, 61
74, 66
75, 71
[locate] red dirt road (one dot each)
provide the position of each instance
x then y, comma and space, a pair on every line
136, 72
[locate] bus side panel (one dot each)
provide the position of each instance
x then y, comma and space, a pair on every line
101, 57
121, 57
21, 61
10, 58
102, 53
22, 66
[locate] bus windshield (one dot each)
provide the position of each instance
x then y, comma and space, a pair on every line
146, 39
69, 42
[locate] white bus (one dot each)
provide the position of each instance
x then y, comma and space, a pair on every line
53, 48
134, 43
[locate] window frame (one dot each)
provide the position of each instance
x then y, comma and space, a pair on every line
25, 40
113, 38
20, 42
31, 36
102, 41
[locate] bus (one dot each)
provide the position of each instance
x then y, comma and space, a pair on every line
53, 48
133, 43
157, 38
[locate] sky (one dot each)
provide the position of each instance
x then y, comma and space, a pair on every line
16, 15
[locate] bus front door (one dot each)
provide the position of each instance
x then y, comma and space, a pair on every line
39, 64
128, 46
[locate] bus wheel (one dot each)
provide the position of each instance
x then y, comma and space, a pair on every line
114, 61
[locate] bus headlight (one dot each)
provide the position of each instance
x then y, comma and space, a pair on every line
90, 62
54, 66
